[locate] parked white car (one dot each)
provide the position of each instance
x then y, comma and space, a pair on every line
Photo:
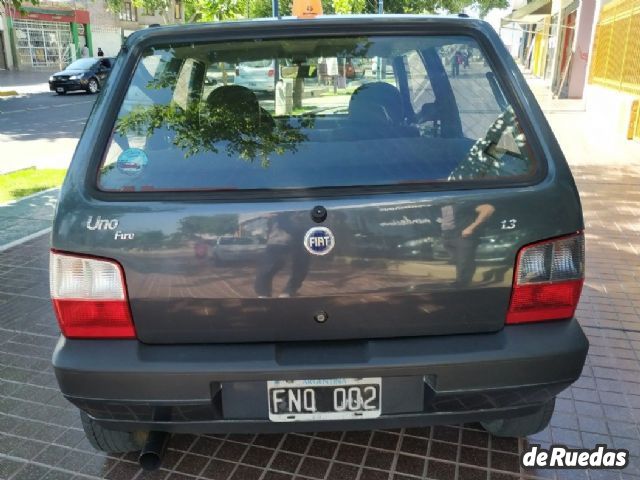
257, 76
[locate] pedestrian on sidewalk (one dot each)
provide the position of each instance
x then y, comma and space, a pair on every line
456, 60
100, 52
467, 55
85, 51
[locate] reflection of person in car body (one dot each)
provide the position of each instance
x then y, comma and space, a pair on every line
461, 227
284, 241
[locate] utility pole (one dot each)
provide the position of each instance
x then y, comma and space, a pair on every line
379, 59
276, 14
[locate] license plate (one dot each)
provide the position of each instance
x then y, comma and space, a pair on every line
59, 89
325, 399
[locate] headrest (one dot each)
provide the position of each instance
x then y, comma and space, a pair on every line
236, 100
377, 102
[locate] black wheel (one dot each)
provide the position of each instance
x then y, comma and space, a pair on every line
63, 92
111, 441
522, 426
92, 86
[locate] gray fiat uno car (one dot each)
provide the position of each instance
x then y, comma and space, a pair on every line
402, 248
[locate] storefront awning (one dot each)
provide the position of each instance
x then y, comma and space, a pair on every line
52, 15
532, 12
527, 19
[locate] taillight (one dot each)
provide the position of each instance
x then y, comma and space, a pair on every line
89, 297
271, 72
548, 280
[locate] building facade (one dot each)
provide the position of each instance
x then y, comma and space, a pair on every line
614, 76
52, 34
45, 37
110, 28
584, 49
555, 41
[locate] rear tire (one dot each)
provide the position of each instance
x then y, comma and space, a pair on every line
522, 426
62, 92
92, 86
111, 441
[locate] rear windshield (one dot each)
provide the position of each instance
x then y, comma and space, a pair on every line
82, 64
321, 112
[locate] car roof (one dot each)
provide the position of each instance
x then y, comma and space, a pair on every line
250, 26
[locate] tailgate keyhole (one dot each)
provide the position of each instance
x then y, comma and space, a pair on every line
318, 214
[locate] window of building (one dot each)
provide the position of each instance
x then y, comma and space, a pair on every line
128, 12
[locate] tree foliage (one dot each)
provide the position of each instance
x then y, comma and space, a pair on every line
9, 6
348, 6
216, 10
225, 9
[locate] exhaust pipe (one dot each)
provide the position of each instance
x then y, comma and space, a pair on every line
153, 451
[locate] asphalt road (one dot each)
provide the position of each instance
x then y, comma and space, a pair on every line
41, 128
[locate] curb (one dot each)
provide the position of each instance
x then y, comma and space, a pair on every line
12, 202
19, 241
8, 93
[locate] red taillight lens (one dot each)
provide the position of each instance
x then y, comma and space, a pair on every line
548, 280
89, 297
94, 319
271, 72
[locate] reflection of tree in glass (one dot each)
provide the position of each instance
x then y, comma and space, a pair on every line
231, 114
167, 79
486, 159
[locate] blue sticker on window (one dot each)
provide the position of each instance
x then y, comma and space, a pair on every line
132, 161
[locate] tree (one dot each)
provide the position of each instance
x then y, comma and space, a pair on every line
9, 6
160, 6
434, 6
214, 10
348, 6
390, 6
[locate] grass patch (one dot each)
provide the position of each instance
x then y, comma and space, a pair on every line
302, 110
340, 91
19, 184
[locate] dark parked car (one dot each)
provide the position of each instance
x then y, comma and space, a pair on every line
344, 318
86, 74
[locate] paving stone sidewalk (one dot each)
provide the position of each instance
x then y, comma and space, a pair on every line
26, 217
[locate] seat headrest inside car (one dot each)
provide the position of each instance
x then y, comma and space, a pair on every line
376, 102
240, 101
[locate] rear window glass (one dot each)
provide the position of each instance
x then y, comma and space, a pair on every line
82, 64
313, 113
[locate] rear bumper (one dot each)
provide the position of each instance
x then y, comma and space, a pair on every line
256, 84
222, 388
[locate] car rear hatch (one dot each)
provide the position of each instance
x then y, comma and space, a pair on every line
347, 216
